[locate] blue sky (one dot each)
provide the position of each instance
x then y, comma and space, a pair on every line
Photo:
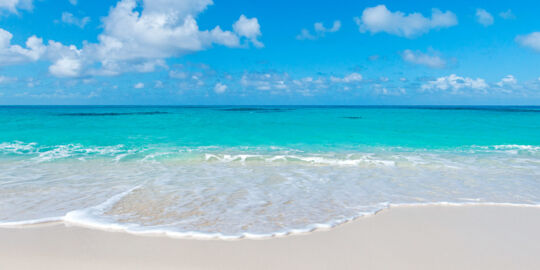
269, 52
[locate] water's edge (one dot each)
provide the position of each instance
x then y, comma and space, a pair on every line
118, 228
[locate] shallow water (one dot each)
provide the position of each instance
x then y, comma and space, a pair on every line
257, 171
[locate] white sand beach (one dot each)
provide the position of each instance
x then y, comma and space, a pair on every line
424, 237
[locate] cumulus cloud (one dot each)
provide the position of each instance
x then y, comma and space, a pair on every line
508, 80
305, 34
150, 34
353, 77
164, 28
15, 54
531, 40
220, 88
66, 67
138, 85
319, 29
249, 28
177, 74
380, 19
66, 60
386, 91
455, 83
14, 5
194, 76
266, 81
71, 19
507, 15
277, 83
73, 2
137, 36
419, 58
483, 17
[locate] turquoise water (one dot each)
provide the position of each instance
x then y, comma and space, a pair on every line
247, 171
299, 127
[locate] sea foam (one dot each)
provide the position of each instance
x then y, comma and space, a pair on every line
248, 193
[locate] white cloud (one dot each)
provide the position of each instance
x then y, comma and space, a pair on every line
353, 77
305, 34
66, 60
164, 28
248, 28
385, 91
14, 5
66, 67
531, 40
380, 19
177, 74
137, 36
266, 81
320, 31
455, 83
71, 19
483, 17
149, 34
282, 83
220, 88
420, 58
158, 84
508, 80
319, 27
4, 79
507, 15
15, 54
177, 9
138, 85
73, 2
31, 82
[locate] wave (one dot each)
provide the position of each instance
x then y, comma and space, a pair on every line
518, 147
507, 148
346, 161
90, 218
378, 156
250, 193
41, 153
18, 147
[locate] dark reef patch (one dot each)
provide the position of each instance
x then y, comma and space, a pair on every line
532, 109
259, 110
111, 114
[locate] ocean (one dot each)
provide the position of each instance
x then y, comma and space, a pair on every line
257, 171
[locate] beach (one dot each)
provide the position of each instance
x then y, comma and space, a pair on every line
407, 237
282, 135
269, 187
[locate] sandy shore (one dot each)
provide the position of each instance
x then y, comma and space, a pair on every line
428, 237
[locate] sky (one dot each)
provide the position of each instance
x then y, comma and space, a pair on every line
236, 52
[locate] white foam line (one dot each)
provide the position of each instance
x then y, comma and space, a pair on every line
81, 218
457, 204
136, 230
18, 224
